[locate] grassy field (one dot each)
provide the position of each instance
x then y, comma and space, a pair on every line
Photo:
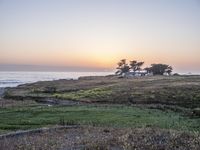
183, 91
156, 112
113, 116
177, 92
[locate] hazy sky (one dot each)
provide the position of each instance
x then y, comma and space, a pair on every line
98, 33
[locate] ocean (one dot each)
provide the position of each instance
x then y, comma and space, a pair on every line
13, 79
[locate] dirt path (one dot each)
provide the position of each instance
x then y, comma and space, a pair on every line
34, 131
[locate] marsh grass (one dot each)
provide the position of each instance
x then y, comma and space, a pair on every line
95, 93
182, 91
116, 116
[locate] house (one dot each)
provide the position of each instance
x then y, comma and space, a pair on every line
135, 74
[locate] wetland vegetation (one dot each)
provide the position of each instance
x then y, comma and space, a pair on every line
164, 104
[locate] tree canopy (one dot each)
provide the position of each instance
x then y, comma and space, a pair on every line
135, 66
123, 67
155, 69
159, 69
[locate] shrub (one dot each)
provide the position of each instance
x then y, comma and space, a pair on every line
50, 89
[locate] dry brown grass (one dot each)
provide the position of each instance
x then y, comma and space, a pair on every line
105, 138
181, 91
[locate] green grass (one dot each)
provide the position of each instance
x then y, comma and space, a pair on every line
181, 91
115, 116
95, 93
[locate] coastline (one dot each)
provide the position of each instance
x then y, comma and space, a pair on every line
13, 79
101, 106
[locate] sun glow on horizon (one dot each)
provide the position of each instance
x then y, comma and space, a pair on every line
98, 34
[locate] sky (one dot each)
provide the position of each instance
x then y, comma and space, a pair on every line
99, 33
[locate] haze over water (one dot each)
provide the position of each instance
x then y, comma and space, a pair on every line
12, 79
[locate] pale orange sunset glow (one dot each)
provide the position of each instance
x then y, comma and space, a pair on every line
99, 34
99, 74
